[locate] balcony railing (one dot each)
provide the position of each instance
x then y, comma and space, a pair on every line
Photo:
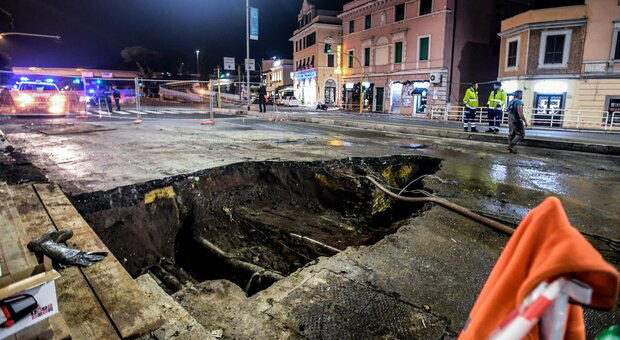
597, 67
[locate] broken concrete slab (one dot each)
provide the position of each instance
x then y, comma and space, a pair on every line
179, 324
223, 308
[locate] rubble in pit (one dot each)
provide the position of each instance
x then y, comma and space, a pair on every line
251, 223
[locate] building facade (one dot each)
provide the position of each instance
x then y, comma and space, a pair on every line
567, 62
415, 54
393, 48
315, 77
277, 74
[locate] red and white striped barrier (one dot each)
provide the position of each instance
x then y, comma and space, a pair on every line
548, 304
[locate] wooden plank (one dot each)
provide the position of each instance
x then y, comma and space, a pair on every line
25, 204
79, 307
78, 304
20, 258
130, 310
11, 230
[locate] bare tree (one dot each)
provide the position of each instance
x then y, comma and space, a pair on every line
6, 20
144, 58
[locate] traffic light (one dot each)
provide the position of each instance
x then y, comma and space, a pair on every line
328, 48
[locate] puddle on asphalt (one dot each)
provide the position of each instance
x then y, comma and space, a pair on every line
414, 146
243, 221
338, 143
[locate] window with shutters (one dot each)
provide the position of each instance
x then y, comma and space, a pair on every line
311, 39
424, 48
398, 52
399, 12
512, 53
367, 56
554, 49
426, 7
616, 41
331, 60
351, 59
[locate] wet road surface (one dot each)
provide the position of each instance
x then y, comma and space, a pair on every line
92, 155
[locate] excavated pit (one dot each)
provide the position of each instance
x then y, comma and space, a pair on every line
251, 223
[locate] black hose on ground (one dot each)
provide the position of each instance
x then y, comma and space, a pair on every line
448, 205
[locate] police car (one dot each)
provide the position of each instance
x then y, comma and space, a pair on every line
36, 97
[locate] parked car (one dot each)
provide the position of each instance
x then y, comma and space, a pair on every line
38, 98
290, 101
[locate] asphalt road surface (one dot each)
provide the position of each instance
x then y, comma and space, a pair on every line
104, 153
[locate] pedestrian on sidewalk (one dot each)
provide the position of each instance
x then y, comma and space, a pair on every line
496, 104
516, 122
471, 105
117, 97
262, 100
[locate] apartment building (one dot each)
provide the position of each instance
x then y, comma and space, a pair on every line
277, 74
567, 62
419, 53
315, 77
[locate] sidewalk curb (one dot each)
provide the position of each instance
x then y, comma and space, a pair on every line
605, 149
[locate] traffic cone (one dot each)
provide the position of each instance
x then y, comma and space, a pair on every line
137, 121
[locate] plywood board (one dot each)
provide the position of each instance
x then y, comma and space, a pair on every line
130, 310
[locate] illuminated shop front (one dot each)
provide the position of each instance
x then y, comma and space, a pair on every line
409, 97
305, 86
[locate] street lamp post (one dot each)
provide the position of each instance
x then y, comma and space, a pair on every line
247, 36
45, 36
198, 63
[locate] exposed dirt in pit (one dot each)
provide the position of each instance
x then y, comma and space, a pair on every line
254, 213
16, 168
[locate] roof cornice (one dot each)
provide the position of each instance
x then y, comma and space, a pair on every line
544, 25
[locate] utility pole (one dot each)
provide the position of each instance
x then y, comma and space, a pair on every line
239, 82
247, 41
219, 93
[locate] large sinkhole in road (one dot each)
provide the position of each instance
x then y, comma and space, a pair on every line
244, 221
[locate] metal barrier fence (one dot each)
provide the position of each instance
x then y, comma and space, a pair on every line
539, 118
51, 94
33, 94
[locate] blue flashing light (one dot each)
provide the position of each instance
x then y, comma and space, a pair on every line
49, 80
91, 91
77, 81
98, 81
24, 78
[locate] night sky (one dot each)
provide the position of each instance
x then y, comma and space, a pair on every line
94, 32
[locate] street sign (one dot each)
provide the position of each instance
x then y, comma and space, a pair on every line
229, 64
253, 23
107, 75
87, 75
250, 65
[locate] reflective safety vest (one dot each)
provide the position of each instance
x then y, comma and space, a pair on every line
471, 98
496, 98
